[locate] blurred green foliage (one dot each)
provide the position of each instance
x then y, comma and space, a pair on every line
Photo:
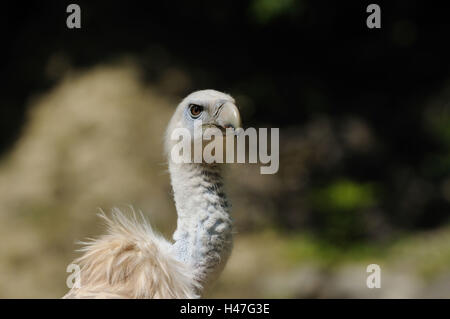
304, 248
339, 205
344, 195
438, 122
266, 10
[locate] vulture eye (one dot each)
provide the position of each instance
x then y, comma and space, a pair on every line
195, 110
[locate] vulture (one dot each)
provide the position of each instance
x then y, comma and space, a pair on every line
133, 261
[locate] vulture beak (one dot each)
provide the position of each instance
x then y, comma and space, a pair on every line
229, 117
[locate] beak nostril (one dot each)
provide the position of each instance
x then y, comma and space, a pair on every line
228, 117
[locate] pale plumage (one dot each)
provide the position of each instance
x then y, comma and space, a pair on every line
132, 261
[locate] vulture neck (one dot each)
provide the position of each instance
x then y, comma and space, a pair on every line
203, 236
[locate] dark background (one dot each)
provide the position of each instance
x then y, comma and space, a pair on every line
295, 60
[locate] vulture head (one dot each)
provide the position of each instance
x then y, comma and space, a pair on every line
208, 108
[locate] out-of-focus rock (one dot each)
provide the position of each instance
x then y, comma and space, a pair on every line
94, 140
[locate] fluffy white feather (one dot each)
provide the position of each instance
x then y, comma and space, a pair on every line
131, 261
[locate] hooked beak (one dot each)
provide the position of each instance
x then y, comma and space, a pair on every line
229, 117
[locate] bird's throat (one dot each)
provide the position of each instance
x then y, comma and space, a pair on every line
203, 237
